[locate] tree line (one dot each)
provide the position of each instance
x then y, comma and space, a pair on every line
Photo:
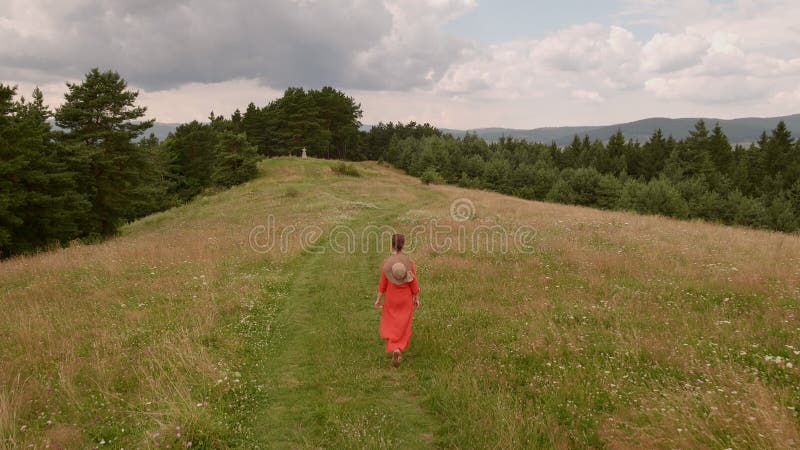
79, 179
702, 176
85, 169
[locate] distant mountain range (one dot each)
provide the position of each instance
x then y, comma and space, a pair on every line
743, 130
739, 131
162, 130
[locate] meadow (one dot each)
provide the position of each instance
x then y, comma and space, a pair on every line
612, 330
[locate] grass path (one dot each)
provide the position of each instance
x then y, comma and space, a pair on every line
328, 381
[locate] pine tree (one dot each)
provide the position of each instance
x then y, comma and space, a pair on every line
192, 155
294, 122
236, 160
691, 158
46, 203
720, 150
237, 119
777, 154
11, 194
158, 184
654, 156
254, 125
572, 153
756, 165
340, 115
612, 160
101, 122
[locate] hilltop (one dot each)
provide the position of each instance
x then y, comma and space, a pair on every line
589, 328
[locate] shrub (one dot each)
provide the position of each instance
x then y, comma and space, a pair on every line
609, 189
346, 169
584, 183
781, 216
660, 197
431, 176
526, 192
561, 192
466, 181
712, 206
236, 160
747, 210
629, 194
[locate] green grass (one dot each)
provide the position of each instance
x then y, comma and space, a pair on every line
617, 331
344, 168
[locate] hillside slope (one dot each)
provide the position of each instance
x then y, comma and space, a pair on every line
585, 328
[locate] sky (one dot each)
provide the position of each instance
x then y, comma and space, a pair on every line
453, 63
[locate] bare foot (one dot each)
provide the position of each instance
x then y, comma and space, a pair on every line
396, 356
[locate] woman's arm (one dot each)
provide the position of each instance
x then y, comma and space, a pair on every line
414, 286
382, 285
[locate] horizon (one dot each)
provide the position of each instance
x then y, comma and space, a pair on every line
706, 118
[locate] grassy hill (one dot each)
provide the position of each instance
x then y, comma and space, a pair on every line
606, 329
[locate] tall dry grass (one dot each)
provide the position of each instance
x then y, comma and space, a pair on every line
622, 330
124, 341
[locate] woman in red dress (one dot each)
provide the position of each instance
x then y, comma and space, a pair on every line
398, 295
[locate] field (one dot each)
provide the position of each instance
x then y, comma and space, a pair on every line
604, 330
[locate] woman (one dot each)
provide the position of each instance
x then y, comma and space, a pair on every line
400, 289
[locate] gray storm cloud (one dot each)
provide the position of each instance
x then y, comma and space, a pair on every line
160, 45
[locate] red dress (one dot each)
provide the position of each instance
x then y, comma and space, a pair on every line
398, 308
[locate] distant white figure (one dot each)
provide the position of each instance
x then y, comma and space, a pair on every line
304, 156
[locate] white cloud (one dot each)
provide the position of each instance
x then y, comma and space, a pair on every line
194, 101
668, 53
415, 52
596, 57
591, 96
697, 89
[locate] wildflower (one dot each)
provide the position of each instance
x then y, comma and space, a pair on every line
188, 444
23, 428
